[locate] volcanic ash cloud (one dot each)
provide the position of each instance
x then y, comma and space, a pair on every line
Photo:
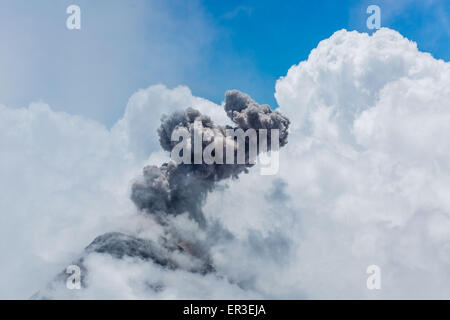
165, 192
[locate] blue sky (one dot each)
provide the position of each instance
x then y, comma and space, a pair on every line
210, 46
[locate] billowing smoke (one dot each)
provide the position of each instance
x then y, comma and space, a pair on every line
177, 188
164, 192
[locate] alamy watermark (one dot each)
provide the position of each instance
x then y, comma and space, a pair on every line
374, 20
73, 22
234, 146
374, 280
73, 282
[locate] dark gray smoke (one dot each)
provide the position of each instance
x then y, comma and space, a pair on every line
247, 114
177, 188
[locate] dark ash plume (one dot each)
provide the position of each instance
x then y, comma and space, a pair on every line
177, 188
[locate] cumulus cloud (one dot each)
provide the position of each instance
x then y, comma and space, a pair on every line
66, 179
365, 176
364, 180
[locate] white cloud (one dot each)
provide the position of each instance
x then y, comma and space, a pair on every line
65, 179
364, 179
